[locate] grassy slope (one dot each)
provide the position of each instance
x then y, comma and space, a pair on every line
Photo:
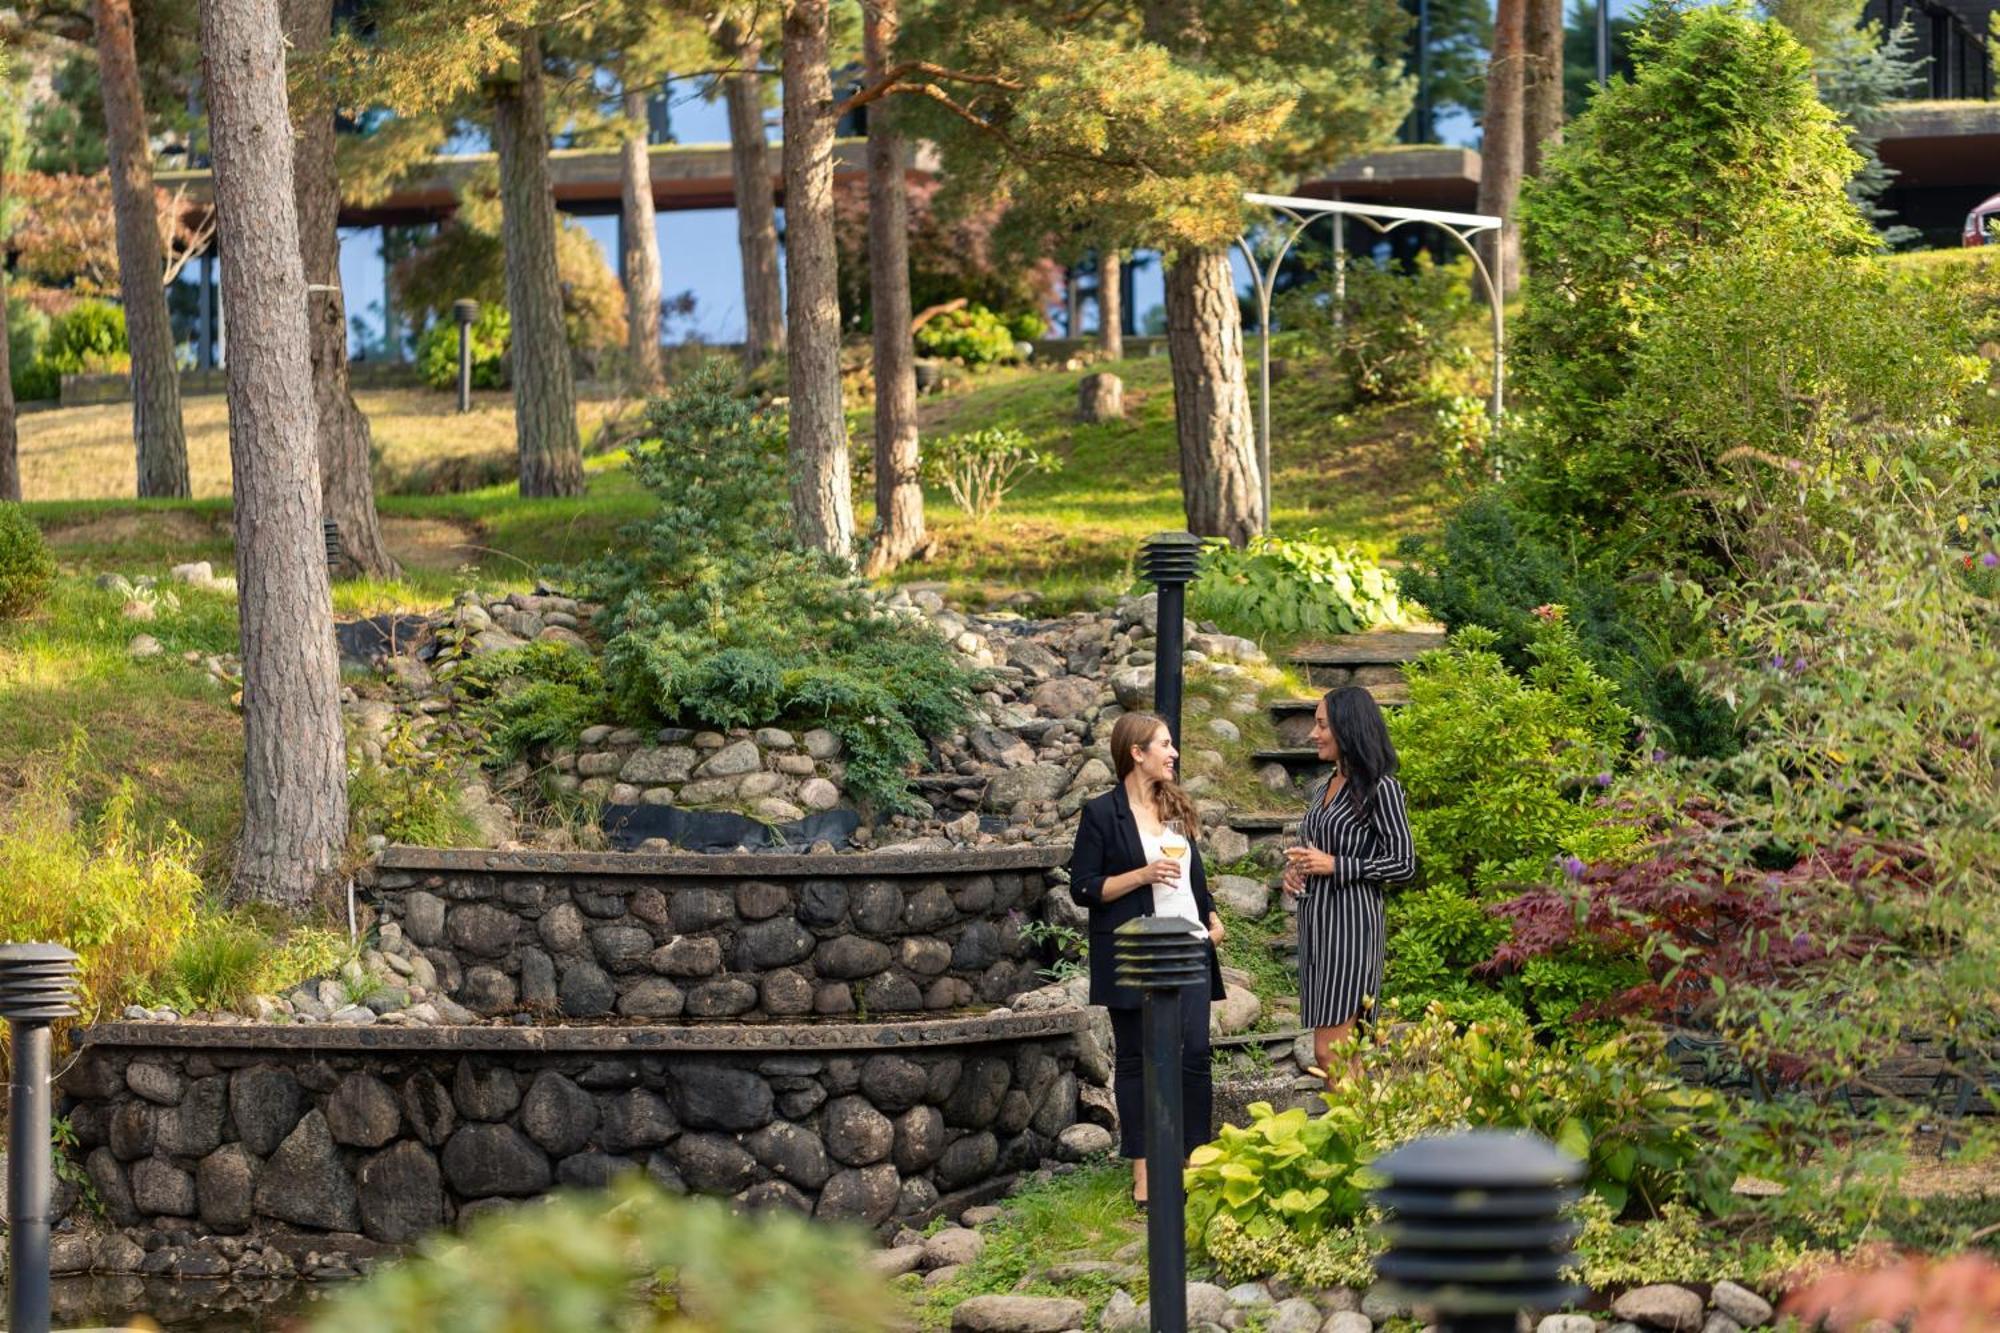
1071, 534
65, 674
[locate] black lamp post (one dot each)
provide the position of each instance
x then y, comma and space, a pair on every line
1475, 1227
1157, 956
334, 552
36, 988
465, 312
1169, 560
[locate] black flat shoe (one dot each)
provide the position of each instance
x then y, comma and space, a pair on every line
1140, 1204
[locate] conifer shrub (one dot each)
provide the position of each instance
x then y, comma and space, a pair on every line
27, 568
715, 614
1720, 136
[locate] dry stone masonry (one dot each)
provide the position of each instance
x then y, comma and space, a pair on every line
746, 938
1032, 754
379, 1135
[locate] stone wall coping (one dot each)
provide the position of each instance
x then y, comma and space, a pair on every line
605, 1040
747, 865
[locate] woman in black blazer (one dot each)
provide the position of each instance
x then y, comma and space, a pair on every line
1117, 873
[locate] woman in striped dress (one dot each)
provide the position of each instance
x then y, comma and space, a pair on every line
1356, 836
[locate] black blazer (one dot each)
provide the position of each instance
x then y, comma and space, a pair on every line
1107, 844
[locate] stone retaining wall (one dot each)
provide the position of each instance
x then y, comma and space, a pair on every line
748, 938
390, 1132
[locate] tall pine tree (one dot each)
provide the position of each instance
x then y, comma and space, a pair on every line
1147, 121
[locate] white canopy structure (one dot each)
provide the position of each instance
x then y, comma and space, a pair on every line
1301, 213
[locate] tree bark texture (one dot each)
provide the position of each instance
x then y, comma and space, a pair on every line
756, 206
899, 494
295, 766
157, 434
544, 386
346, 446
1221, 486
1221, 483
1111, 305
641, 247
10, 443
1542, 101
1500, 146
821, 476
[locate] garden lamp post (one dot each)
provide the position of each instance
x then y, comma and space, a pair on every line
465, 312
1168, 560
1157, 956
334, 553
1475, 1227
36, 988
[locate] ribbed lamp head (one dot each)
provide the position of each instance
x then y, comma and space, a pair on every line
465, 312
1158, 953
1170, 557
37, 983
330, 530
1475, 1224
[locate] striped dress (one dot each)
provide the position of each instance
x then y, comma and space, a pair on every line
1340, 915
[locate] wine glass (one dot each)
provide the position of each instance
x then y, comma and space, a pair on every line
1173, 840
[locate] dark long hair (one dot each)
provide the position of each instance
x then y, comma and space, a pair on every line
1367, 755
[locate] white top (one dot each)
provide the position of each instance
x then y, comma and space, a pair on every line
1176, 899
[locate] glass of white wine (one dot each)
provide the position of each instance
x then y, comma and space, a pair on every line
1173, 841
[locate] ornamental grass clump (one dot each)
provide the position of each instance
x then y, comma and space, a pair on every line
715, 614
93, 884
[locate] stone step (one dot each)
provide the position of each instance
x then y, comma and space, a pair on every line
1261, 821
1300, 759
1272, 1040
1293, 718
1374, 658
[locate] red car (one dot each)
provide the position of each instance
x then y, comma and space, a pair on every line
1980, 221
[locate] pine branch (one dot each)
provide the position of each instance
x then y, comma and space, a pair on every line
893, 79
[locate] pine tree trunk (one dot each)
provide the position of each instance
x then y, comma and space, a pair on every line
1221, 486
822, 496
1542, 102
295, 769
1500, 146
346, 446
899, 495
756, 208
10, 443
156, 387
641, 257
544, 388
1111, 305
